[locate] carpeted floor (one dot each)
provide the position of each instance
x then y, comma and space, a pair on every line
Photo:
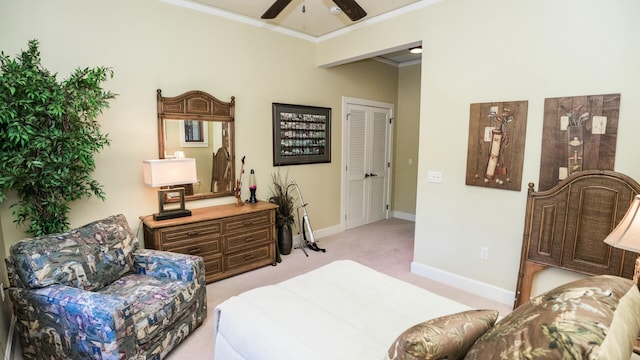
386, 246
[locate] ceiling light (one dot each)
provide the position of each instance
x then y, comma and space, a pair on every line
416, 50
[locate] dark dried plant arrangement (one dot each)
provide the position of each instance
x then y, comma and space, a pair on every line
281, 196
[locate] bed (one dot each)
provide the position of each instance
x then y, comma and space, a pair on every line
345, 310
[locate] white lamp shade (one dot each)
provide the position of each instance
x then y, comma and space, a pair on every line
626, 235
167, 172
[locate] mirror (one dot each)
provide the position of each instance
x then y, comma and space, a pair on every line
197, 125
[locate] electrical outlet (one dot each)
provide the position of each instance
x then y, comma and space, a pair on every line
484, 253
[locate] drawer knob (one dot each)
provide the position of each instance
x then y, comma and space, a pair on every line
248, 239
193, 233
194, 251
248, 222
249, 257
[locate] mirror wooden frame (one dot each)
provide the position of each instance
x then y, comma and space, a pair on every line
197, 105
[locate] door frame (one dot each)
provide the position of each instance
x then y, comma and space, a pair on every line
346, 100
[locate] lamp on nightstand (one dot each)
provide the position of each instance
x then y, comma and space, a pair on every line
626, 235
167, 172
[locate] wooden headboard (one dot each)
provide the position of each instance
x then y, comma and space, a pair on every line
565, 227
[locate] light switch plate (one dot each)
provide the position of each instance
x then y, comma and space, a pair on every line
434, 176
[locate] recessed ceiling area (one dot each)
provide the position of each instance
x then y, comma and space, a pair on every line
313, 20
311, 17
401, 58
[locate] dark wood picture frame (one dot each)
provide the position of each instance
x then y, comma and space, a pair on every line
301, 134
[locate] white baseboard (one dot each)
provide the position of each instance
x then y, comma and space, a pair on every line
473, 286
8, 354
403, 216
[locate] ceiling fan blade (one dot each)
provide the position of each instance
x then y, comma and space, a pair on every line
275, 9
351, 9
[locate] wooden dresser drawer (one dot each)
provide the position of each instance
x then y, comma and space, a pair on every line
213, 267
196, 246
191, 231
245, 260
245, 222
247, 239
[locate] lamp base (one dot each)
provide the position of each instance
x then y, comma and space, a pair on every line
171, 214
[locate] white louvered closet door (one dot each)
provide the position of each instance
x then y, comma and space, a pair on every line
368, 165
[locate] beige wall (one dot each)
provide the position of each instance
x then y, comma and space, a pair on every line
151, 45
500, 50
406, 141
177, 50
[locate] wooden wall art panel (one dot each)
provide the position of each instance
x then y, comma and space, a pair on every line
579, 133
495, 153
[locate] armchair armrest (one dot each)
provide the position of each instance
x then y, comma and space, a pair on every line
72, 322
170, 265
12, 274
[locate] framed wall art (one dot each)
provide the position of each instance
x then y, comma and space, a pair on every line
495, 153
579, 133
301, 134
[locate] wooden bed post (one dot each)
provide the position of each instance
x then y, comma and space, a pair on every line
523, 289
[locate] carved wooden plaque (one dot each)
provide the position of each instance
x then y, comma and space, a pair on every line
579, 133
495, 153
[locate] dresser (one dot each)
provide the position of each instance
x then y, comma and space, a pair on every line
231, 239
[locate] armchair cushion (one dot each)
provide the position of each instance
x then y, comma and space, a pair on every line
157, 302
89, 257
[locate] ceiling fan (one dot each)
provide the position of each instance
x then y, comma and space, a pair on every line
349, 7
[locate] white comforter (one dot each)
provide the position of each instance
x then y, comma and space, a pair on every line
343, 310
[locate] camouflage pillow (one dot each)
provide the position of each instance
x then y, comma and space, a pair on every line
447, 337
592, 318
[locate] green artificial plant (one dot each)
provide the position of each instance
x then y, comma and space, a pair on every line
48, 137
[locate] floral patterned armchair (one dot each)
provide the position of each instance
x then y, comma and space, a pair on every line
92, 293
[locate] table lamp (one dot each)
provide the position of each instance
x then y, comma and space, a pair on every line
167, 172
626, 235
